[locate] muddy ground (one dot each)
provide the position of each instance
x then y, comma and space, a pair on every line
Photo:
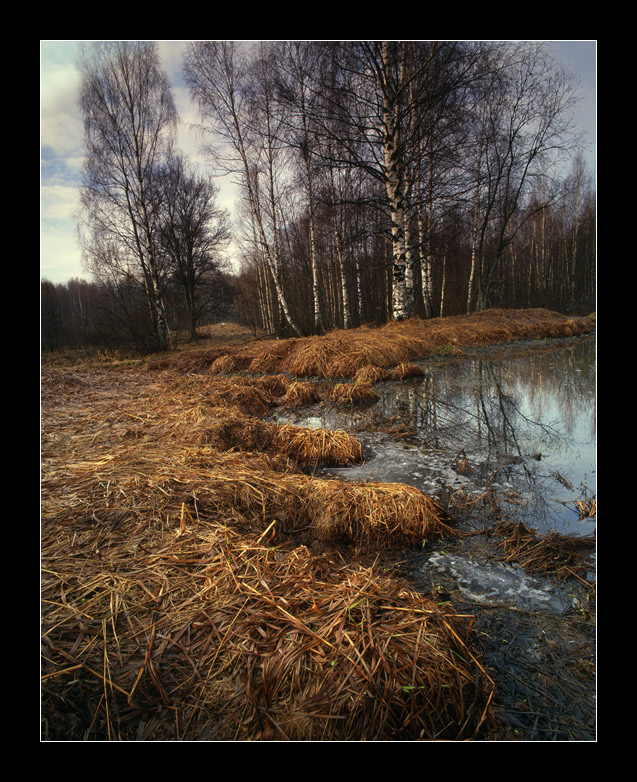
543, 661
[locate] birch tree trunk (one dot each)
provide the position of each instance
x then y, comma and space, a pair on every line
402, 293
216, 83
306, 154
339, 252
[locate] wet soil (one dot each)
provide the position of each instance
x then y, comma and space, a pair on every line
537, 636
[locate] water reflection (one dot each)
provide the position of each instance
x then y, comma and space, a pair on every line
525, 426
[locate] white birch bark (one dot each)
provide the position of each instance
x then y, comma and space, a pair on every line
402, 294
339, 254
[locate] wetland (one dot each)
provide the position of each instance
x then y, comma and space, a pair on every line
226, 558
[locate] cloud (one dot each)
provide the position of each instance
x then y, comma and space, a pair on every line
58, 202
61, 129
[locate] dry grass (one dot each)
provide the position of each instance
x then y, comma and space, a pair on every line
345, 353
405, 370
223, 364
180, 597
561, 556
355, 393
299, 394
209, 634
375, 514
196, 585
230, 429
371, 374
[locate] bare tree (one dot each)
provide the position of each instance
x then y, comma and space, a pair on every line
193, 234
385, 97
129, 117
523, 123
234, 99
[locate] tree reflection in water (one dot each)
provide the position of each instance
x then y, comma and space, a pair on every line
523, 426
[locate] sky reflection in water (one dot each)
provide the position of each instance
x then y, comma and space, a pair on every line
525, 426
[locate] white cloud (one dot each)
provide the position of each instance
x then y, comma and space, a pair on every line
60, 122
58, 202
60, 255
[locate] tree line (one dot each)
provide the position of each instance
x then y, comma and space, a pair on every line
378, 180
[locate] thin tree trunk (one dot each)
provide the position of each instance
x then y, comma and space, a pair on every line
339, 254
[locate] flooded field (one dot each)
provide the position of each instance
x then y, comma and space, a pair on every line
523, 425
520, 428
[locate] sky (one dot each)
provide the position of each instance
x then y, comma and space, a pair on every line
61, 139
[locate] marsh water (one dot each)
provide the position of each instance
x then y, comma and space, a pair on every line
521, 423
516, 422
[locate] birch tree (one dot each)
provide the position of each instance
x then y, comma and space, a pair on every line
218, 74
129, 120
296, 96
385, 95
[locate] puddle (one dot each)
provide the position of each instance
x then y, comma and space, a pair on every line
497, 584
524, 426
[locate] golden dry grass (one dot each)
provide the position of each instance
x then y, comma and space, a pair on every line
562, 556
370, 374
180, 596
405, 370
299, 394
344, 353
355, 393
198, 585
204, 633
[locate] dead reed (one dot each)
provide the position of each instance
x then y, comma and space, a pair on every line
561, 556
176, 607
370, 374
405, 370
374, 515
198, 631
306, 447
343, 353
299, 394
180, 597
355, 393
223, 364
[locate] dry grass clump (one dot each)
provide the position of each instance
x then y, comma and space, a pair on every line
373, 514
312, 356
342, 353
561, 556
370, 374
223, 365
405, 370
306, 447
249, 398
184, 362
316, 447
299, 394
208, 634
253, 395
356, 393
276, 385
268, 356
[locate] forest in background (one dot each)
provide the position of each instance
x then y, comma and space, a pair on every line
378, 181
